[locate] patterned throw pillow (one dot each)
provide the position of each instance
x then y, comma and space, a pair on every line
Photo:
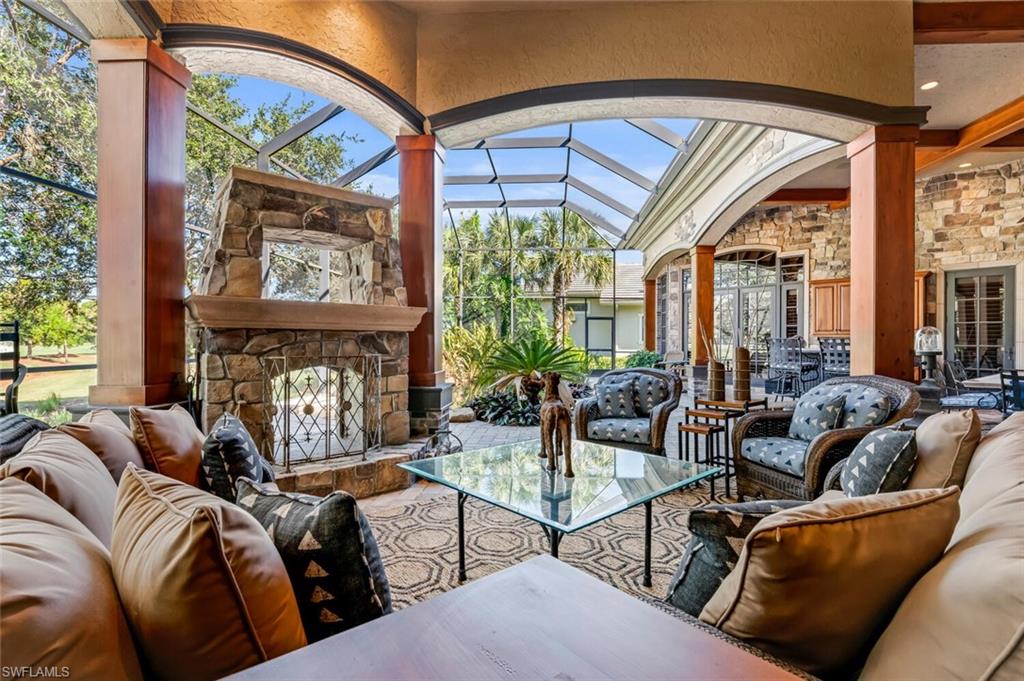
615, 400
881, 462
229, 454
814, 415
866, 407
717, 534
650, 392
330, 553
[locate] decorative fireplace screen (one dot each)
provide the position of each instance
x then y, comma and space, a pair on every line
322, 407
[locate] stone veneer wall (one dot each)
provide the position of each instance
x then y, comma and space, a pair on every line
233, 375
969, 217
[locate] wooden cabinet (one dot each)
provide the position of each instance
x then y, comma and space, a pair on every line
830, 305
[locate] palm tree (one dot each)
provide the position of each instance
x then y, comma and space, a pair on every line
565, 238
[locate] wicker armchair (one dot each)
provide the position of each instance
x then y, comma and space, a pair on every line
756, 480
586, 411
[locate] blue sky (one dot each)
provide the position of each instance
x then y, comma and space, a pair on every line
614, 138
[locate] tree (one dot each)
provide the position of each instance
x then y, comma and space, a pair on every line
563, 239
62, 324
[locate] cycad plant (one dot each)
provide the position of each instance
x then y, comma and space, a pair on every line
522, 363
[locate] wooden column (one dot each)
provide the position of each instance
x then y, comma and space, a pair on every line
650, 314
420, 181
882, 251
702, 264
140, 143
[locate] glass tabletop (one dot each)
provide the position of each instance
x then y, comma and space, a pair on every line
607, 480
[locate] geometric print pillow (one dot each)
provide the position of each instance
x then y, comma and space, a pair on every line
650, 392
869, 408
229, 453
814, 415
615, 400
881, 462
330, 554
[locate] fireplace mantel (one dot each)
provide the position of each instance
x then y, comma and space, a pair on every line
232, 312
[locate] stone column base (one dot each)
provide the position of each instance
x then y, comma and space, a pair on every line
429, 408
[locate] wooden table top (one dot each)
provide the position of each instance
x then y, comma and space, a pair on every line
541, 619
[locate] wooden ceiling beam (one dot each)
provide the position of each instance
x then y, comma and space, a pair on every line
834, 196
990, 128
959, 23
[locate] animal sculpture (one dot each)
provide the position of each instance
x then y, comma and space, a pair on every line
555, 426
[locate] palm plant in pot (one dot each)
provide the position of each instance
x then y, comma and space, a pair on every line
521, 364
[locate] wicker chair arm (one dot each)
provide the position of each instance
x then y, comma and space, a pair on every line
828, 449
659, 422
832, 477
585, 411
769, 423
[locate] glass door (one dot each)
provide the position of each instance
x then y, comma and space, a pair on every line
725, 325
979, 319
755, 327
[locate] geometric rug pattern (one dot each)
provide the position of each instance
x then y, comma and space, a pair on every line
419, 544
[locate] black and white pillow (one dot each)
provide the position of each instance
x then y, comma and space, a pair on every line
615, 400
816, 414
330, 554
717, 534
881, 462
229, 453
650, 392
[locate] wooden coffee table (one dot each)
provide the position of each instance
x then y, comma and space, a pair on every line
541, 619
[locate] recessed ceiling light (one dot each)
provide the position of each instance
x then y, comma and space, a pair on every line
965, 165
931, 84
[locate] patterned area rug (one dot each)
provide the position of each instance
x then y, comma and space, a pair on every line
419, 544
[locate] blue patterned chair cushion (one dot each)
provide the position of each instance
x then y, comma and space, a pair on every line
815, 414
650, 391
615, 400
636, 431
781, 453
881, 462
864, 406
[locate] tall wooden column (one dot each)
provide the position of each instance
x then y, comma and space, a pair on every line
882, 251
140, 143
702, 265
420, 181
650, 314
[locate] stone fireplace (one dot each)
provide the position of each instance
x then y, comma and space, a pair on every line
244, 339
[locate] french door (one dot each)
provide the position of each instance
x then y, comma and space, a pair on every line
979, 319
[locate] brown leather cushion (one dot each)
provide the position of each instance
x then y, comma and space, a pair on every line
815, 583
114, 447
65, 470
945, 445
58, 604
106, 417
964, 620
169, 442
205, 590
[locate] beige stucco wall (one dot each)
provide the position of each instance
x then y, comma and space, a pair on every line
437, 60
376, 37
858, 49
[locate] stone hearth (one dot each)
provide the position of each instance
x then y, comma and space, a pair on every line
240, 333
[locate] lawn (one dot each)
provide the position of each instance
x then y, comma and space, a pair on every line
68, 385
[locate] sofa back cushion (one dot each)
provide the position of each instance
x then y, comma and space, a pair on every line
649, 392
106, 417
204, 588
169, 442
59, 607
813, 584
945, 445
65, 470
964, 619
114, 446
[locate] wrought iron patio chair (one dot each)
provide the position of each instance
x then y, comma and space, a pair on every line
789, 370
835, 357
15, 373
959, 396
440, 443
1013, 390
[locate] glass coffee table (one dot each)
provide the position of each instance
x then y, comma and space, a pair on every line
608, 481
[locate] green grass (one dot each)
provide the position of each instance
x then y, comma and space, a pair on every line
68, 385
